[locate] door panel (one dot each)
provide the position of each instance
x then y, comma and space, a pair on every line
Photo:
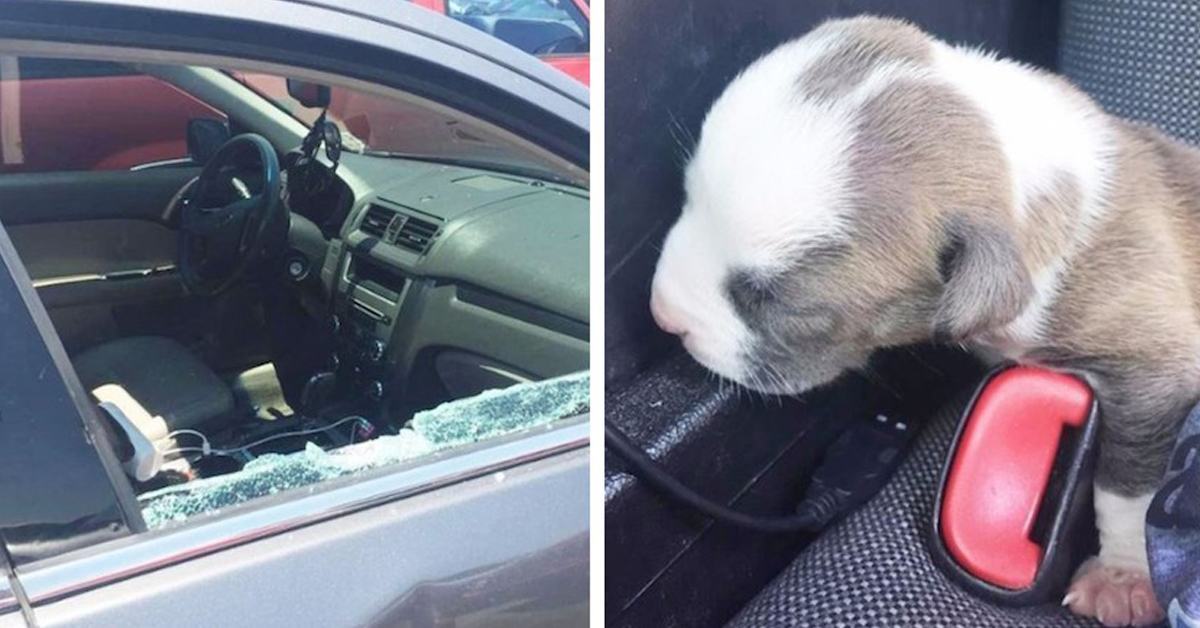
506, 550
102, 255
64, 196
78, 232
62, 253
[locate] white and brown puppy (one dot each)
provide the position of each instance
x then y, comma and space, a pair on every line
868, 185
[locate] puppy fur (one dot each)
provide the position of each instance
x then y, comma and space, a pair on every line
868, 186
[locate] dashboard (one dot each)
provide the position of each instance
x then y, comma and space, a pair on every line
443, 280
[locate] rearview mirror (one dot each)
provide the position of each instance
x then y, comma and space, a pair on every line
309, 94
205, 136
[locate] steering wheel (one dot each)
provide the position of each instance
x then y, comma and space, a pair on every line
222, 224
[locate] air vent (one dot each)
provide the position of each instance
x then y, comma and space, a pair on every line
376, 221
402, 229
416, 234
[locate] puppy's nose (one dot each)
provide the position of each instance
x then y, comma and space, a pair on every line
665, 316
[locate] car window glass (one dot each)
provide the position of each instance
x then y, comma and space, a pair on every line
70, 114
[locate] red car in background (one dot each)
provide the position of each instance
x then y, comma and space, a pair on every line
47, 105
557, 31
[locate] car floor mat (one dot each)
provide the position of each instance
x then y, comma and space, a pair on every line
874, 569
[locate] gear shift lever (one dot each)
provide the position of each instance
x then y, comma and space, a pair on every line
317, 391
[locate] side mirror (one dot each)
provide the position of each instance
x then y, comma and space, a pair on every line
205, 136
309, 94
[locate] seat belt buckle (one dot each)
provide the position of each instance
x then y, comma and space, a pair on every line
1015, 490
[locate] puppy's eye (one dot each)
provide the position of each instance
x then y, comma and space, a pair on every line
948, 258
750, 292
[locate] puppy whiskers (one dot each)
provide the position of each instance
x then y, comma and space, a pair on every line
683, 139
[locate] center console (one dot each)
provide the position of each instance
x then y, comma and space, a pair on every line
369, 295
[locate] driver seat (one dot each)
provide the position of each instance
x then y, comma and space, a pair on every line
162, 376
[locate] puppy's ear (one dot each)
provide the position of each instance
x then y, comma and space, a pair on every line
985, 282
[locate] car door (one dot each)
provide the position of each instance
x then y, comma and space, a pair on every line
90, 155
467, 543
490, 533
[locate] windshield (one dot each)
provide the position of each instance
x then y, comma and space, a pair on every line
390, 127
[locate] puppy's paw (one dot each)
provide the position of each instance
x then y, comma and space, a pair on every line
1115, 596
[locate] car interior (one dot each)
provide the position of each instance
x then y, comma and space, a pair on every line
239, 264
668, 563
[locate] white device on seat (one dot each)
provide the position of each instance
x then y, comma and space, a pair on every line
146, 458
139, 426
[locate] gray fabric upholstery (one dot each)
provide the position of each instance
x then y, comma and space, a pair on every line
874, 568
160, 374
1138, 58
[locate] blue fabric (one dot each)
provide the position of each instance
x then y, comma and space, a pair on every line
1173, 531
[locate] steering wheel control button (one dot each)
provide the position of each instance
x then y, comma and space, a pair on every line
1015, 484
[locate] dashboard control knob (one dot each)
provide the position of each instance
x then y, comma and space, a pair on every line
375, 350
375, 390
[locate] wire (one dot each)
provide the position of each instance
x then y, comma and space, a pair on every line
201, 450
297, 433
187, 432
654, 475
207, 450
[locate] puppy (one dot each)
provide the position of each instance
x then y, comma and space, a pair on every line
868, 186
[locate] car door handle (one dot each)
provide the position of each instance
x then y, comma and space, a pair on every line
138, 273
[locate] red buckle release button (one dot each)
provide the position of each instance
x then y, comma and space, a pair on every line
1001, 469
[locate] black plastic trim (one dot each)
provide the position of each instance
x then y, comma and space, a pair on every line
523, 311
61, 483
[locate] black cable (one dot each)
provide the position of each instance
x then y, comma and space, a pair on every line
653, 474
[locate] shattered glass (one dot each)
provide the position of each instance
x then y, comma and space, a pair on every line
487, 415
